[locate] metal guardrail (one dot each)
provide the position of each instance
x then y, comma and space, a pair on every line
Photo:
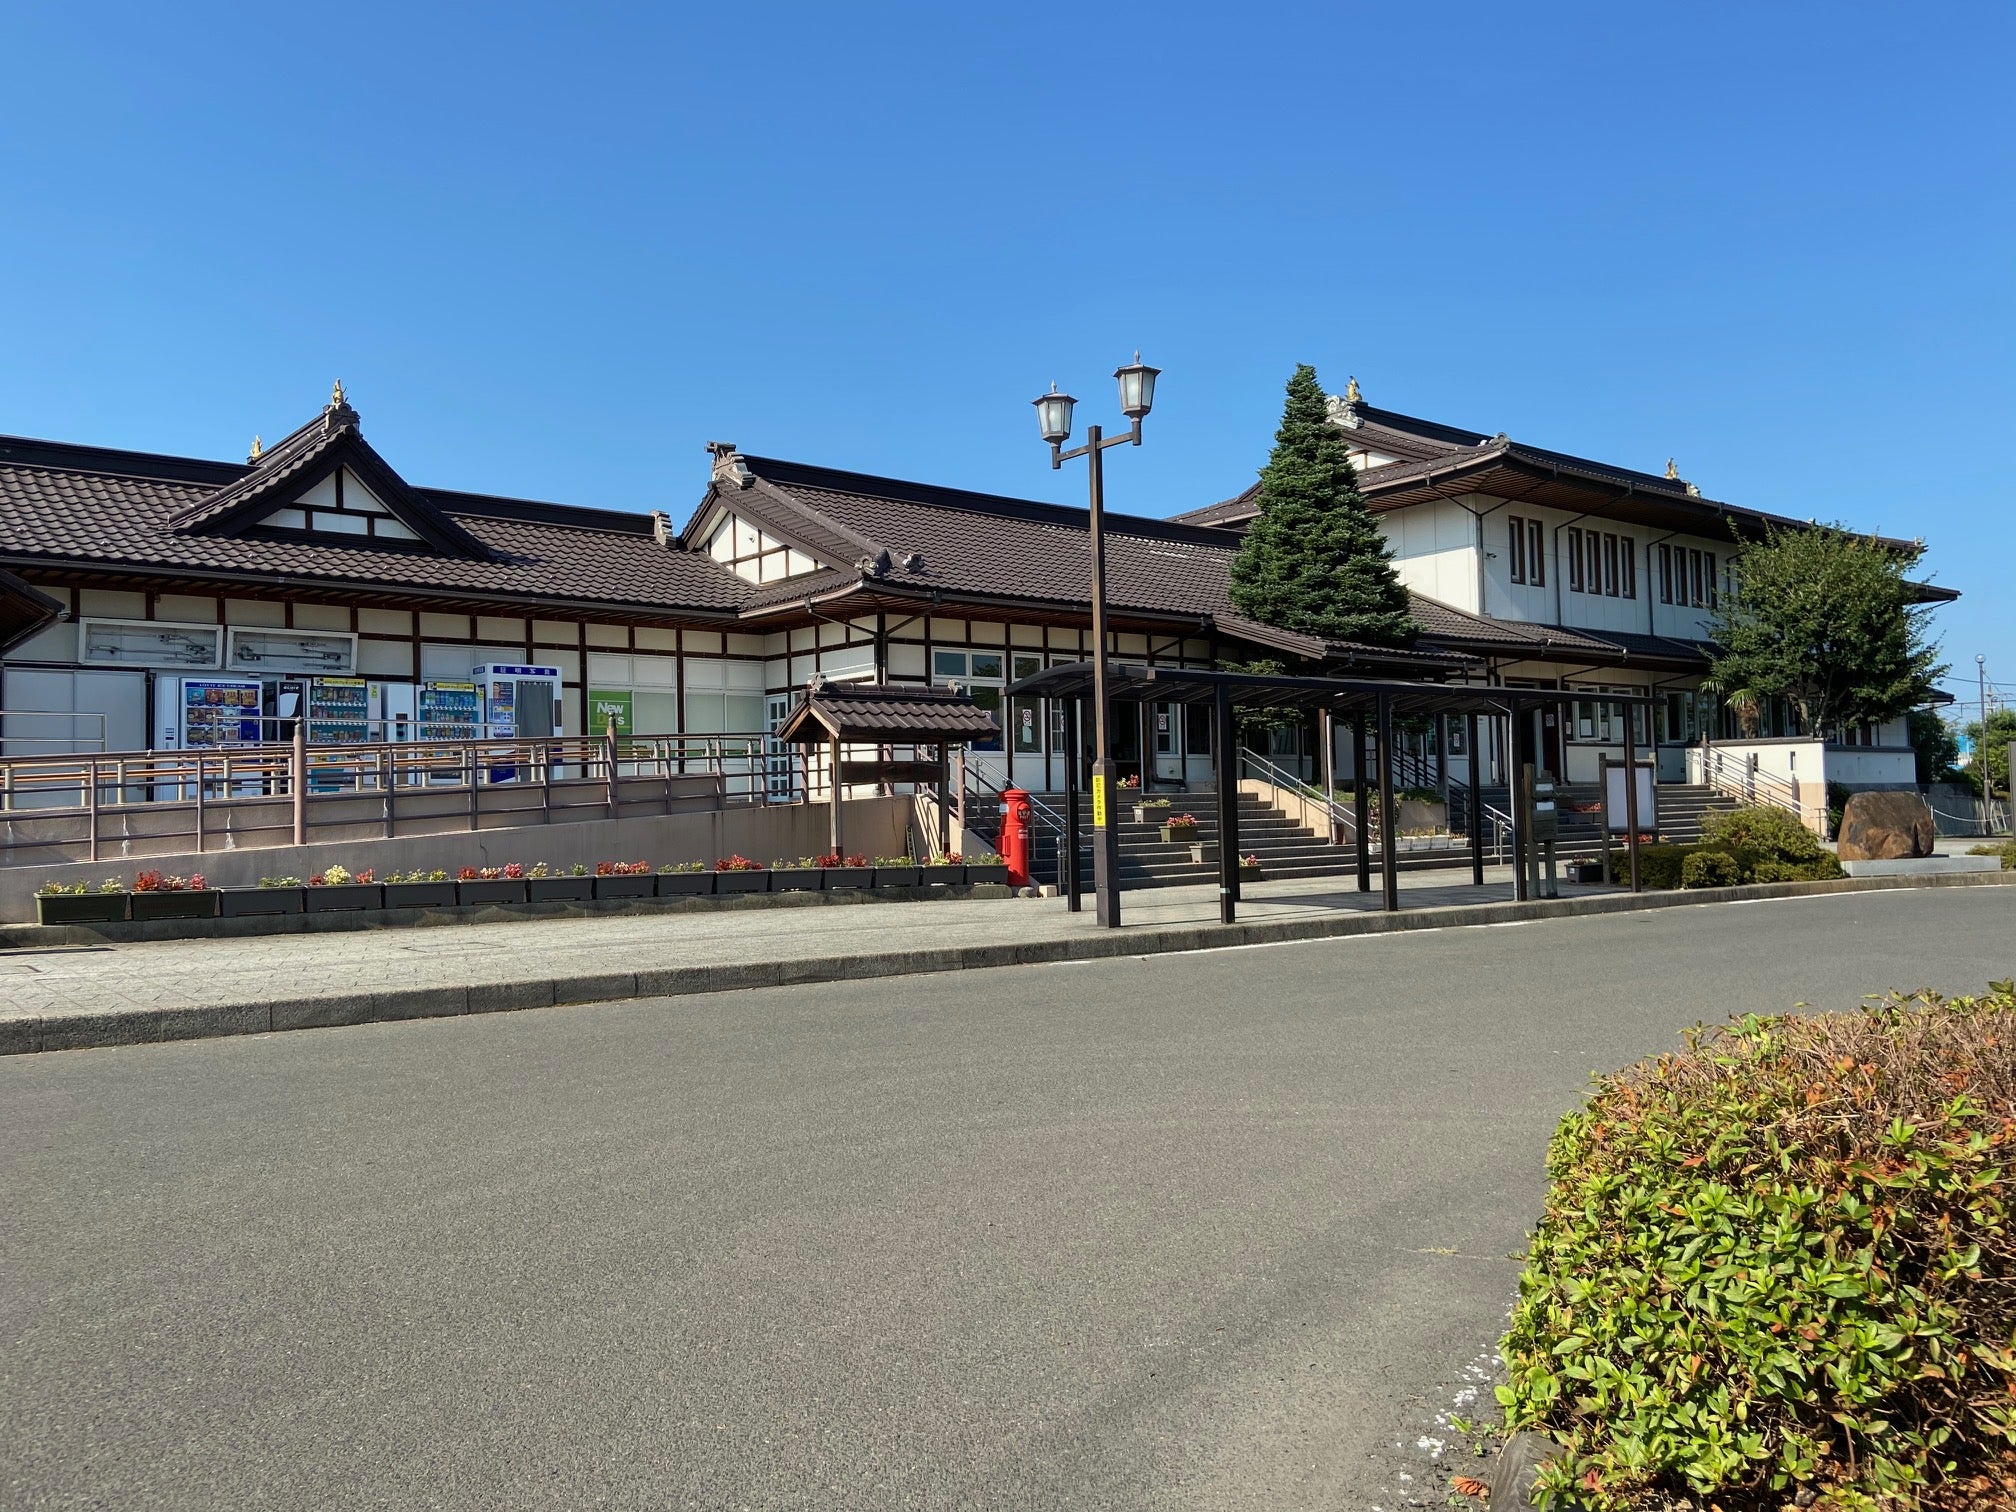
193, 795
1742, 778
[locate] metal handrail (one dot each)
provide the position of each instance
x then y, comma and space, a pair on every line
1750, 782
1278, 776
1042, 812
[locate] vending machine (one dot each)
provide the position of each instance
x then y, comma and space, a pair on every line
518, 703
215, 713
338, 711
449, 711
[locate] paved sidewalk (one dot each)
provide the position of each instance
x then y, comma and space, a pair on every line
75, 996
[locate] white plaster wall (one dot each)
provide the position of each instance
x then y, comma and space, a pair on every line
1435, 551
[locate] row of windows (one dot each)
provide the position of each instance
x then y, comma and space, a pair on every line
1599, 562
1687, 576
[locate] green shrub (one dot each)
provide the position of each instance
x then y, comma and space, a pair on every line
1824, 867
1782, 1258
2006, 849
1710, 868
1658, 865
1768, 831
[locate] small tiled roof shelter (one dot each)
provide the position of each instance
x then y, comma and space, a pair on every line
839, 714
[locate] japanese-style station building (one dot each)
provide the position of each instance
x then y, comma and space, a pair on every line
160, 602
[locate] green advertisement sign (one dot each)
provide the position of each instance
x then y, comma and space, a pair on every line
604, 706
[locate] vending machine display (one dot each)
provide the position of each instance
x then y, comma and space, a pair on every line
520, 700
218, 711
450, 711
338, 711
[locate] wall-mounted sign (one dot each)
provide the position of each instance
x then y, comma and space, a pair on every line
316, 652
605, 705
148, 643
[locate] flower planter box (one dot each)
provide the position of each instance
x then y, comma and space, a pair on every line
559, 889
497, 890
976, 874
645, 886
419, 894
344, 897
1588, 872
1149, 814
942, 876
849, 876
742, 882
1249, 874
895, 876
1179, 834
686, 884
80, 908
258, 902
175, 905
796, 879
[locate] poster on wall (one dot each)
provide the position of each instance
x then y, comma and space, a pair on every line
605, 705
1614, 812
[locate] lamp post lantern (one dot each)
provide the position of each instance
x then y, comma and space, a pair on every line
1053, 420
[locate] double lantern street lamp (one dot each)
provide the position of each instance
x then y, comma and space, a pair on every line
1053, 420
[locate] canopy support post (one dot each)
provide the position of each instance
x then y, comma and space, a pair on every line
1476, 807
1228, 805
1067, 863
1361, 802
1389, 850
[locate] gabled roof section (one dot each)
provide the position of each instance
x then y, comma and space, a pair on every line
893, 714
24, 610
278, 477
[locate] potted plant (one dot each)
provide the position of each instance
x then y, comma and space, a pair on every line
544, 885
490, 884
419, 889
1249, 868
895, 871
625, 879
159, 896
986, 867
802, 875
335, 890
738, 874
1149, 809
685, 879
273, 895
948, 870
1181, 829
80, 902
845, 871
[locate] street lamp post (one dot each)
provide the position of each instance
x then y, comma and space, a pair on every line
1053, 420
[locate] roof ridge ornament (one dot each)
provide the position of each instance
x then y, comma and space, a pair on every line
1672, 471
1351, 393
258, 450
336, 398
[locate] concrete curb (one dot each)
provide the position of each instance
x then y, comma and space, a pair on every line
24, 1033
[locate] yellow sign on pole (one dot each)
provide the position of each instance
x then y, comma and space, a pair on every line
1099, 800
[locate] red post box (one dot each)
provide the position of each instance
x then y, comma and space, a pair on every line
1015, 835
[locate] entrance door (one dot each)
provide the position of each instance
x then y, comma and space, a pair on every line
1542, 741
1166, 730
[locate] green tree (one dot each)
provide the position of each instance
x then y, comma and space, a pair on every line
1991, 749
1824, 618
1936, 746
1314, 561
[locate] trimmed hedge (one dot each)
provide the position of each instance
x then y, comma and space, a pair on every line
1783, 1259
1758, 844
2005, 849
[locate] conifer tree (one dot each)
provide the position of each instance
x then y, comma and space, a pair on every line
1314, 560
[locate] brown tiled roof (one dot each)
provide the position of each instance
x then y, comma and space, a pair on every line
896, 713
69, 506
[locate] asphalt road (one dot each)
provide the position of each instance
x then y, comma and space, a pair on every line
1224, 1230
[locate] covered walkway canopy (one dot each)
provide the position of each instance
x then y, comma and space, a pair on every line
1367, 703
838, 714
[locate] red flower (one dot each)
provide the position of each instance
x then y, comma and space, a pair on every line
466, 874
317, 880
605, 868
147, 881
513, 872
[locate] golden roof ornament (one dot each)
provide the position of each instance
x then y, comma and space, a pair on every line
1672, 471
1351, 394
258, 450
336, 398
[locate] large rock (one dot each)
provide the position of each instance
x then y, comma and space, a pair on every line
1885, 827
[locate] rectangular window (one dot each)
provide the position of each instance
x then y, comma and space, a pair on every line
1518, 548
1574, 554
1609, 565
1700, 595
1536, 554
1592, 550
948, 663
1629, 564
1712, 595
1665, 574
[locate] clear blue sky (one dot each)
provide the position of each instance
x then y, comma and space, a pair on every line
552, 249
